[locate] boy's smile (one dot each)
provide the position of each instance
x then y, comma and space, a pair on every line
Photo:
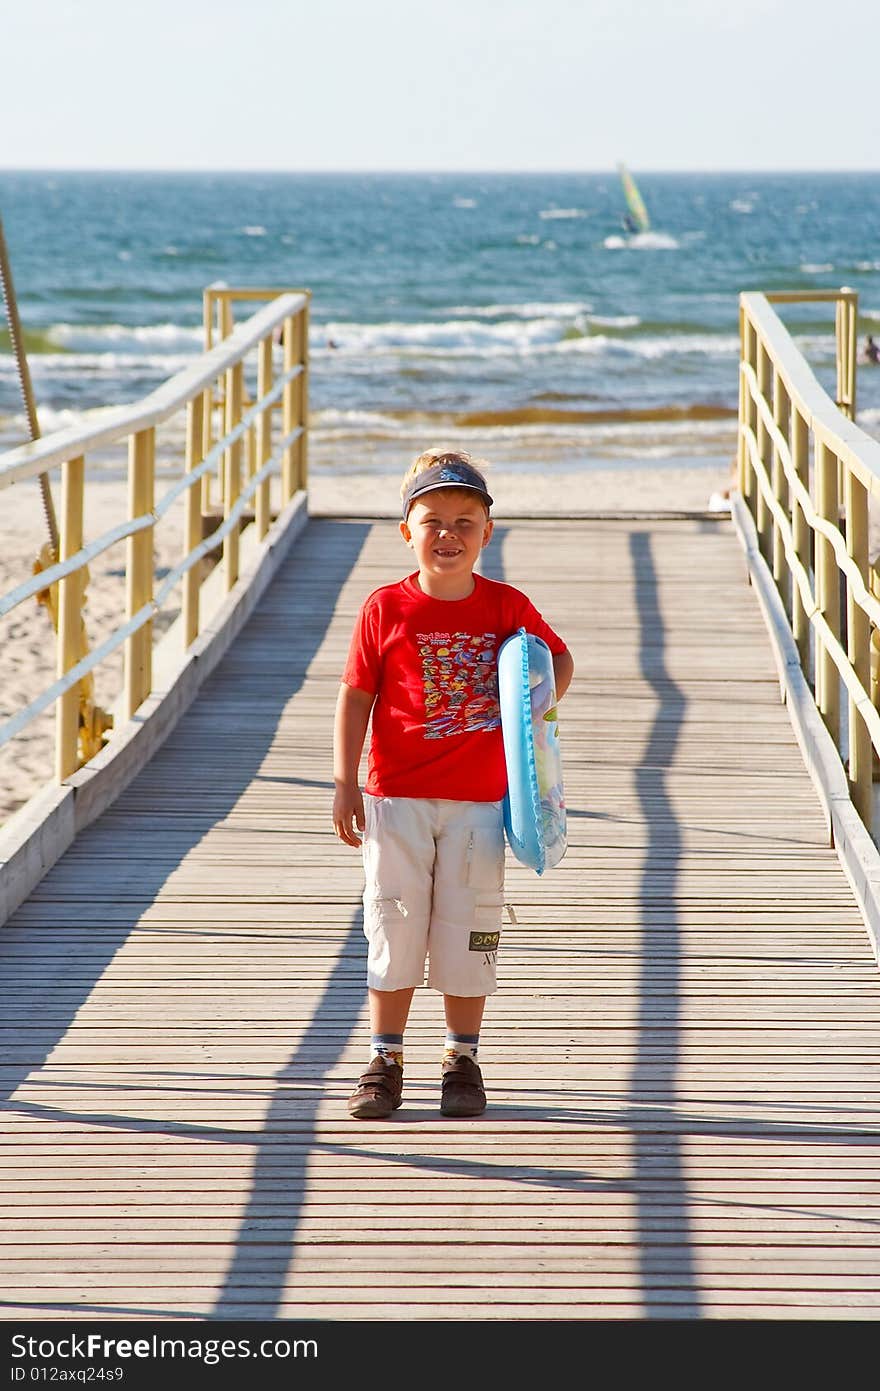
447, 529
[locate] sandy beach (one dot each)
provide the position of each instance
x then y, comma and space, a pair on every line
27, 638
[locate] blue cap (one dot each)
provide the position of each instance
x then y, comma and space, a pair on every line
448, 473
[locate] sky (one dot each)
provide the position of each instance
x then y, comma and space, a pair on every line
459, 85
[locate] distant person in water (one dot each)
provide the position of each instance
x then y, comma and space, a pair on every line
872, 351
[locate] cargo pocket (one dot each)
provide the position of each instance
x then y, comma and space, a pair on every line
485, 861
380, 912
485, 879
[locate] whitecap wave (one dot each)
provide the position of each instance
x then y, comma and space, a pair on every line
535, 309
559, 214
49, 420
254, 231
676, 344
642, 241
513, 337
614, 320
449, 338
99, 338
816, 267
342, 421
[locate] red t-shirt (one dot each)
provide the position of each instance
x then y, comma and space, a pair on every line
431, 664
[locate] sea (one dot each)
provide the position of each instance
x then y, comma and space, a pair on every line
509, 314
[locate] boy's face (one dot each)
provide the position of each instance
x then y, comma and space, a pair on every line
447, 529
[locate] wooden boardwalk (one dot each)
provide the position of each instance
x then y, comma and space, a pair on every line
682, 1059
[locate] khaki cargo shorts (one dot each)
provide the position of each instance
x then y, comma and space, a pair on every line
434, 891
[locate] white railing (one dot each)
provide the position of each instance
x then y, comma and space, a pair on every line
807, 473
223, 405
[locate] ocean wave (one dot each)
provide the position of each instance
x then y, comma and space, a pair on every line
536, 309
162, 349
614, 320
343, 421
522, 417
642, 241
63, 367
559, 214
122, 338
472, 337
681, 344
451, 338
50, 420
816, 267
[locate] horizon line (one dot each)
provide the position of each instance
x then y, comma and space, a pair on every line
425, 173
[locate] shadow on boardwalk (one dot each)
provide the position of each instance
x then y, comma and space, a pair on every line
47, 1004
280, 1209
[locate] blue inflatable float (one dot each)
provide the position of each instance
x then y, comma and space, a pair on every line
534, 807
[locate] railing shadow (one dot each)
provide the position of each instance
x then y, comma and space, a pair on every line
653, 1079
94, 887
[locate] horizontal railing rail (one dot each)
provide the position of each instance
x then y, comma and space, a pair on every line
806, 473
224, 404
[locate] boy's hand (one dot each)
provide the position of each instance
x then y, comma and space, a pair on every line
348, 813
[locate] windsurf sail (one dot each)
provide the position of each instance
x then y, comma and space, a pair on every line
638, 214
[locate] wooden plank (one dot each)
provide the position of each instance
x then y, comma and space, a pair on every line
681, 1057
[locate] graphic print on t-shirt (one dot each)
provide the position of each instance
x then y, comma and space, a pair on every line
460, 681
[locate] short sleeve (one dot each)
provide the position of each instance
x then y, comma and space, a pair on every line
363, 666
529, 618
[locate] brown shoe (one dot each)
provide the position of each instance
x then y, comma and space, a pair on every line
462, 1091
378, 1091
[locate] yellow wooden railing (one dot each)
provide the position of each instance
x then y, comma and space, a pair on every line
219, 414
807, 473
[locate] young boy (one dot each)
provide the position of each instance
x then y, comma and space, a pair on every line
423, 661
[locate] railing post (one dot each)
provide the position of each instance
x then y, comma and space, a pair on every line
139, 569
70, 594
858, 629
741, 455
195, 424
827, 589
207, 442
302, 399
208, 318
747, 410
225, 316
289, 411
262, 507
800, 457
765, 451
232, 469
781, 416
845, 321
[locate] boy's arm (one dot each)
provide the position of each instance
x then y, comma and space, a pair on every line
563, 670
350, 729
541, 697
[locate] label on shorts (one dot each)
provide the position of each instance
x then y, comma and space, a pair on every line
484, 941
